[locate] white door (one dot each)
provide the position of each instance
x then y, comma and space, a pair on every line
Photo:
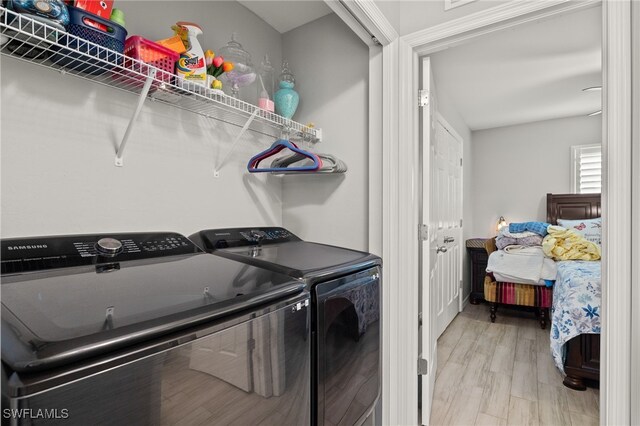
441, 264
428, 293
446, 203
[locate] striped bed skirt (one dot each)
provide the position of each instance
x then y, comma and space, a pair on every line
517, 294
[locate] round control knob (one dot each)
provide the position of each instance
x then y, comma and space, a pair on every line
108, 246
257, 234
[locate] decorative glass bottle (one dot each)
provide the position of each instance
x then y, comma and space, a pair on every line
243, 73
266, 85
286, 99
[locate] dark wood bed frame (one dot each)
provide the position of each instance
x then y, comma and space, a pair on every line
582, 364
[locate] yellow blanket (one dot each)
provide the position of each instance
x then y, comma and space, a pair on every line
566, 244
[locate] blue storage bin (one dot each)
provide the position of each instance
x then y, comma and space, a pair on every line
80, 56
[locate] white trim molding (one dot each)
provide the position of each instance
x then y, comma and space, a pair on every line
635, 220
487, 21
348, 18
372, 18
366, 19
393, 386
615, 366
617, 190
452, 4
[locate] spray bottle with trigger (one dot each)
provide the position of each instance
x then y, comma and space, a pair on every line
191, 66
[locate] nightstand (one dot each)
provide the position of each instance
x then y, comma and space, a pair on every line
478, 257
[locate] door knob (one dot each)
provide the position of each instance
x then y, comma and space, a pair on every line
441, 249
449, 239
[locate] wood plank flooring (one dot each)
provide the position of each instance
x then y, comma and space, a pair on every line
503, 374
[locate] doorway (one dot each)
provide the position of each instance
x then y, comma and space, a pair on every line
517, 97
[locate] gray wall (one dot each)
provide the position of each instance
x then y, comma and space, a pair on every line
515, 167
59, 135
331, 208
218, 19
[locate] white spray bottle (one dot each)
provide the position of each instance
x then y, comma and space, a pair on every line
191, 66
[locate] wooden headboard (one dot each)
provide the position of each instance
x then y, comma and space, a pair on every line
572, 206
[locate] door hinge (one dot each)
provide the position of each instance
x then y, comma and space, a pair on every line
423, 232
461, 162
423, 367
460, 223
251, 344
423, 97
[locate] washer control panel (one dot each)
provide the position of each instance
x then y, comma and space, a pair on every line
213, 239
42, 253
258, 235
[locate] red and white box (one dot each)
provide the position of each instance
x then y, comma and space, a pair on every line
102, 8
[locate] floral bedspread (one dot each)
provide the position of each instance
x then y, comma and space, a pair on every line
576, 305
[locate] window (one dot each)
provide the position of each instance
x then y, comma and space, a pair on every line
586, 169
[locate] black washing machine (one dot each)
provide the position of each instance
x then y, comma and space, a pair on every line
147, 329
345, 312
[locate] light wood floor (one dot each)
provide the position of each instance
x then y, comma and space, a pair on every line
503, 374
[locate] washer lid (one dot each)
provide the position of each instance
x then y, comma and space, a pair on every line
279, 250
52, 315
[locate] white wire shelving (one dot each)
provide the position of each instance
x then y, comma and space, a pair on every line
29, 40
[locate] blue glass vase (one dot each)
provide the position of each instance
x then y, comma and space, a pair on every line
286, 99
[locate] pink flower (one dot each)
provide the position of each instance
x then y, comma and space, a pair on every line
217, 61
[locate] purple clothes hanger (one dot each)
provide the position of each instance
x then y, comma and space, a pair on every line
278, 146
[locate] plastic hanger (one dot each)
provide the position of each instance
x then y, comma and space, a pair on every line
330, 164
287, 160
278, 146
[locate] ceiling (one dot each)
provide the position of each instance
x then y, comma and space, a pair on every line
532, 72
287, 15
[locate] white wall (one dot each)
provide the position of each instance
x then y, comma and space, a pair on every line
515, 167
59, 135
331, 209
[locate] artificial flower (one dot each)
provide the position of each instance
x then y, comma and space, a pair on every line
217, 61
208, 57
217, 84
227, 66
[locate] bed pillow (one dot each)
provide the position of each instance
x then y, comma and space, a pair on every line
590, 229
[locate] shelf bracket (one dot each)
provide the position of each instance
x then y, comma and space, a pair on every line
134, 117
216, 171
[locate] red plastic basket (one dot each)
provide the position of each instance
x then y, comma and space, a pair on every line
150, 53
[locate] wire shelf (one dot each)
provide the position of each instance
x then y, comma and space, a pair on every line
29, 40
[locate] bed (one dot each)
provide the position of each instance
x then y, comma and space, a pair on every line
575, 317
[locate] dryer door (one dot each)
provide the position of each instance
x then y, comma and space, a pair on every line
348, 347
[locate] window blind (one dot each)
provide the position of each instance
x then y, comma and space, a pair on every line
587, 169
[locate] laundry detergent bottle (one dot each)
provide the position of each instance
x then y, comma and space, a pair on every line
191, 66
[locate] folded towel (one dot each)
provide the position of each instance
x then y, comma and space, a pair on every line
539, 228
504, 232
507, 238
526, 265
